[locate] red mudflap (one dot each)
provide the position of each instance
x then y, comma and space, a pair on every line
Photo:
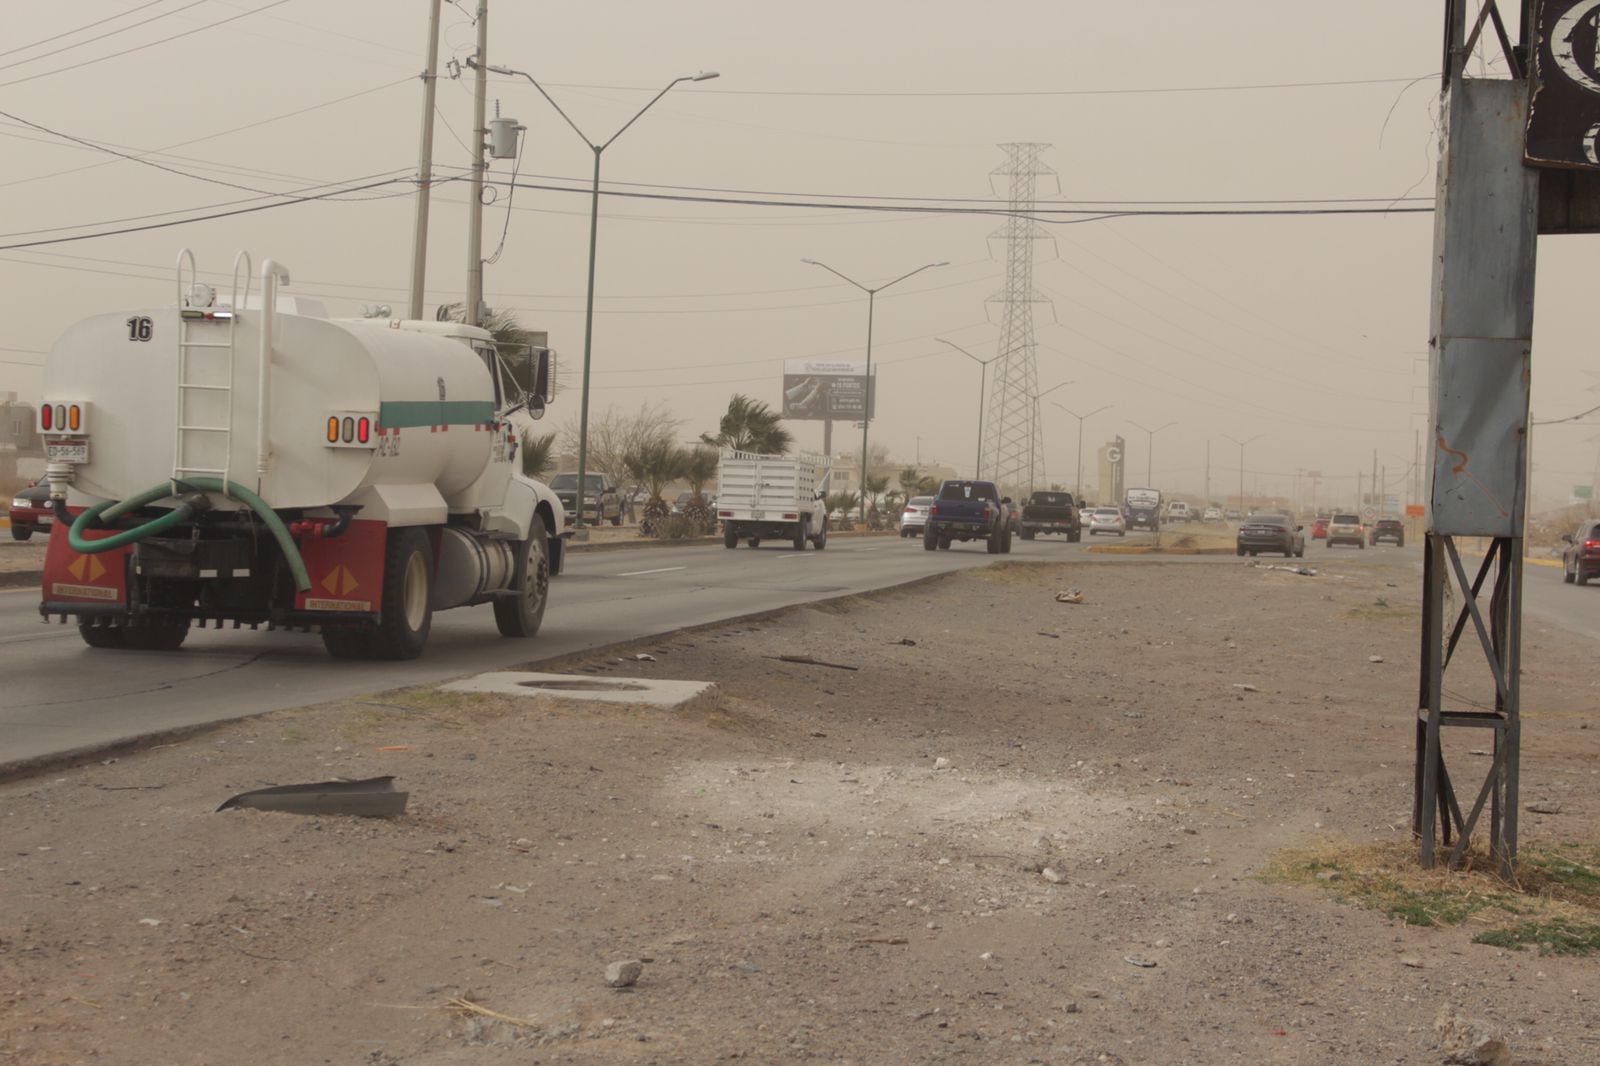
346, 571
74, 577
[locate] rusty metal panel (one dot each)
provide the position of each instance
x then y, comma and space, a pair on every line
1485, 239
1564, 119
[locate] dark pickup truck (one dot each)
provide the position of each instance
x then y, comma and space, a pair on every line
1051, 512
968, 510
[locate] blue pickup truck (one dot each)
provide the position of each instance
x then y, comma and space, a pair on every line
968, 510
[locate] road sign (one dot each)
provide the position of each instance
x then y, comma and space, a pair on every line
1369, 513
1113, 454
1414, 510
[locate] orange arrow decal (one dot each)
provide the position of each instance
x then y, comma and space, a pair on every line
350, 583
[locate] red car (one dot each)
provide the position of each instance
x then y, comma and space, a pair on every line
30, 512
1319, 528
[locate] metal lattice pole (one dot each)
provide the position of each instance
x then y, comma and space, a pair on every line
1013, 443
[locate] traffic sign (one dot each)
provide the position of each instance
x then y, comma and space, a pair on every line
1113, 454
1369, 513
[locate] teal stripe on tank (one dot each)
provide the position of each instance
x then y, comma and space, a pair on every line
401, 414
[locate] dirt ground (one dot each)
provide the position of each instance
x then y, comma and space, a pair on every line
1023, 831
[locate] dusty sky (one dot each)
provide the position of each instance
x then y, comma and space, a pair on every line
1308, 332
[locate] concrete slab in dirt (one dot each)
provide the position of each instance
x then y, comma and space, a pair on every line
639, 691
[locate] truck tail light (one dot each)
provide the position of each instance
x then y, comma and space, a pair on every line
790, 517
67, 416
351, 429
47, 417
933, 509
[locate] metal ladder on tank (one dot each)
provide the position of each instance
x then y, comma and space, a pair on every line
186, 432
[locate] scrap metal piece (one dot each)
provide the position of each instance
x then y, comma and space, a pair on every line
374, 797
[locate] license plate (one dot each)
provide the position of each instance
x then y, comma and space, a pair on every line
45, 520
66, 451
758, 515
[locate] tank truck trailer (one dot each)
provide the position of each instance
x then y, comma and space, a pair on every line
249, 462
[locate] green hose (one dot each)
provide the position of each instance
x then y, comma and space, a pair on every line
115, 509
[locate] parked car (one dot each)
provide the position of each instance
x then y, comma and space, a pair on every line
1580, 558
1319, 527
1213, 514
914, 516
682, 502
1107, 520
1051, 512
1346, 529
1270, 533
1388, 529
30, 511
601, 500
968, 510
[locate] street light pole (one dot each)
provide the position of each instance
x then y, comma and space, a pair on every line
594, 233
1150, 450
1036, 398
1078, 485
872, 294
1241, 444
983, 374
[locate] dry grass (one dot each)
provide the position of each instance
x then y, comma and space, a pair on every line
1554, 900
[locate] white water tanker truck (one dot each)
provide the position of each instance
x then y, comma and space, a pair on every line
234, 461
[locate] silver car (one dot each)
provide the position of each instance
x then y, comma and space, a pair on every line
1107, 520
915, 516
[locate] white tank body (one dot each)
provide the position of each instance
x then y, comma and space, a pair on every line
432, 397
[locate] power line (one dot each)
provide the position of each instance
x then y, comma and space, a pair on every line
165, 149
85, 26
206, 218
103, 36
937, 93
147, 44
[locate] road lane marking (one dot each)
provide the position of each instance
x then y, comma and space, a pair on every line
662, 570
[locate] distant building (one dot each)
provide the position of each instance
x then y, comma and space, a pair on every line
16, 425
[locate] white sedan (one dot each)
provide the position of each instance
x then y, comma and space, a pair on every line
1107, 520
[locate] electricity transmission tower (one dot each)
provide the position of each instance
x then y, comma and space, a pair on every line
1013, 445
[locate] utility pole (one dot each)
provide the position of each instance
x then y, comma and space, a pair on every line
419, 239
1377, 486
473, 311
1208, 472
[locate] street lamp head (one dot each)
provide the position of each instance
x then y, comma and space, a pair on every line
812, 262
704, 75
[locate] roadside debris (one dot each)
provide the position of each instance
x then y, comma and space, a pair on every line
1070, 596
1374, 658
1245, 688
624, 973
644, 657
1470, 1041
1051, 874
1138, 960
1047, 633
374, 797
1545, 807
1303, 571
941, 763
806, 660
905, 642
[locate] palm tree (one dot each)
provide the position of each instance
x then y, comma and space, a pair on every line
512, 341
655, 464
751, 426
875, 487
538, 455
910, 480
840, 503
700, 467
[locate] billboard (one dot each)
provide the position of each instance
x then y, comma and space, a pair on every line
828, 390
1564, 116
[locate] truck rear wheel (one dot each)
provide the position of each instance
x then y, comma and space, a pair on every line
730, 536
800, 536
1027, 534
992, 544
520, 614
111, 636
155, 636
929, 541
407, 615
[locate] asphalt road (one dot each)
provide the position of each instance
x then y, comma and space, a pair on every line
57, 695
